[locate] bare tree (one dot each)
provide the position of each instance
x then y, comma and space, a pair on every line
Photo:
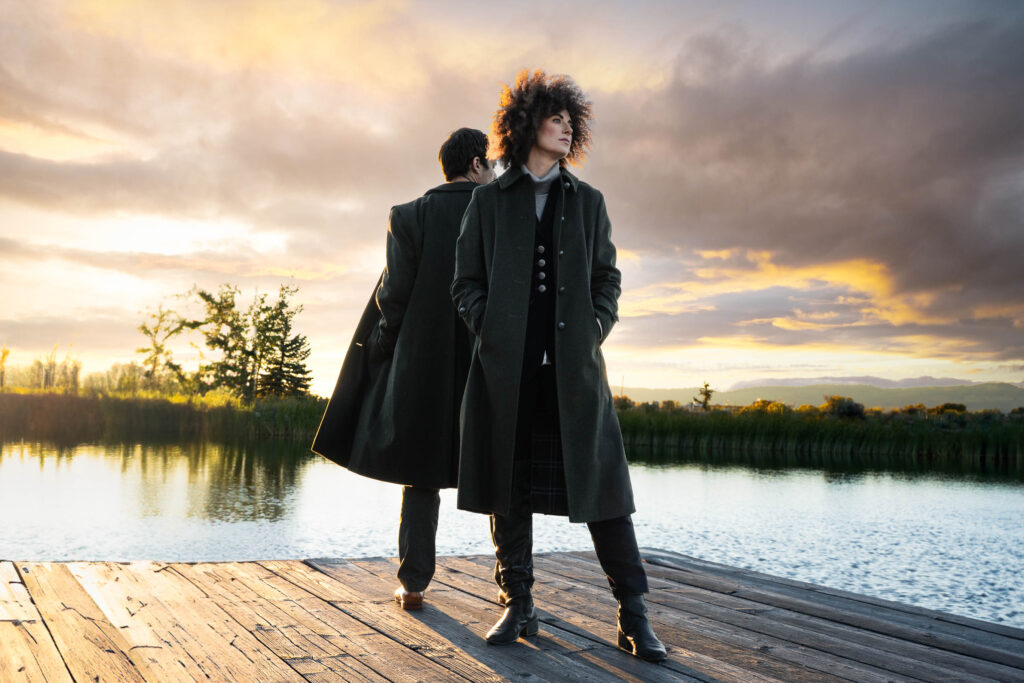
704, 400
161, 326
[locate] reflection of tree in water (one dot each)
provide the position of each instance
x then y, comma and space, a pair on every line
834, 468
60, 454
218, 482
249, 481
236, 482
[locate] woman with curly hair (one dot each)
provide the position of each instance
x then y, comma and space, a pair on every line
536, 282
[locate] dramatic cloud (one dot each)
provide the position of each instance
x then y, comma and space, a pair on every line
894, 177
808, 191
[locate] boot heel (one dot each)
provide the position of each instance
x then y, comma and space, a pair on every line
531, 628
624, 642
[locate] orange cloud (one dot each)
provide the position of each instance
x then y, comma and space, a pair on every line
869, 282
1014, 312
57, 142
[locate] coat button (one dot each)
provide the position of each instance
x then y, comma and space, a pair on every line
541, 275
542, 263
561, 289
567, 184
462, 310
561, 326
560, 252
540, 249
541, 288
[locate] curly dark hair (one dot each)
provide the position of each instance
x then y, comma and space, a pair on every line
523, 108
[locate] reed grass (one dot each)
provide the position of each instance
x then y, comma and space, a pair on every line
761, 435
69, 419
979, 441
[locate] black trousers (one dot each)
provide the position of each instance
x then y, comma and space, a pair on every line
512, 534
416, 533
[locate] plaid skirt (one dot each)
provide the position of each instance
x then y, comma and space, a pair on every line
539, 470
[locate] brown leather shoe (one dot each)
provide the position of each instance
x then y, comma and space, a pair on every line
409, 599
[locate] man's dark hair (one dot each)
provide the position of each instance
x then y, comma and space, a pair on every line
523, 108
459, 150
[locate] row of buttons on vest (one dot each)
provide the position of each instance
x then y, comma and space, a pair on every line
542, 275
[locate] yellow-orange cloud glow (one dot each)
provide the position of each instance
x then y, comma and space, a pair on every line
865, 280
57, 142
387, 46
1014, 312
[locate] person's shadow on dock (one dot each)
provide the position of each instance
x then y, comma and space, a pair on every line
560, 651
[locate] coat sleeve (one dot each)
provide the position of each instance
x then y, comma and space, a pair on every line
403, 254
469, 289
605, 278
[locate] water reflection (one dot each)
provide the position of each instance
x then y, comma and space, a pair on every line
212, 481
947, 541
830, 464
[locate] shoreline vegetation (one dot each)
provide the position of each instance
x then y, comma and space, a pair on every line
71, 418
838, 433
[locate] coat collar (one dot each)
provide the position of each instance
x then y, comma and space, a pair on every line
516, 172
460, 186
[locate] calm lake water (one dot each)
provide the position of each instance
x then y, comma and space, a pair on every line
951, 543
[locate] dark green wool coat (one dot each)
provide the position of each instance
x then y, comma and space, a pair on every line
493, 272
395, 409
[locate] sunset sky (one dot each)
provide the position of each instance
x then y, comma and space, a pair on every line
797, 189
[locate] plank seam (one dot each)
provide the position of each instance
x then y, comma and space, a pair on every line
42, 619
259, 628
565, 626
766, 650
667, 559
223, 611
419, 650
949, 642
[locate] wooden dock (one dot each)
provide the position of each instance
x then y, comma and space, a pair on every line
333, 620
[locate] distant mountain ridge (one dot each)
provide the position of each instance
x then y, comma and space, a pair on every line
976, 396
869, 380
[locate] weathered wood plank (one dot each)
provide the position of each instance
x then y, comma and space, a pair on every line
176, 628
27, 650
309, 627
878, 650
733, 628
682, 661
913, 628
281, 625
879, 653
366, 598
332, 620
91, 647
576, 606
997, 636
554, 654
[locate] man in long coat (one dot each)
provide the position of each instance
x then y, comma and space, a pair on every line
395, 410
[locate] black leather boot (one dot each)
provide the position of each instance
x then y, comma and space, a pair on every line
519, 619
512, 535
635, 633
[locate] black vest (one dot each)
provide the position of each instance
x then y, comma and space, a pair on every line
540, 321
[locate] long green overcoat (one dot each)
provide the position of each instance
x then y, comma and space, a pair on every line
394, 413
493, 271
